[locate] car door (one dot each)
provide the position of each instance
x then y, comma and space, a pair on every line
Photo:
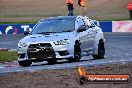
91, 36
84, 39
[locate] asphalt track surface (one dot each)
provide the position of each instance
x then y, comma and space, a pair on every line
118, 51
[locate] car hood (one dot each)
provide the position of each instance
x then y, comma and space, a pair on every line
38, 38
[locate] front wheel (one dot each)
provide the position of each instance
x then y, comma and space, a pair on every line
24, 63
77, 53
101, 50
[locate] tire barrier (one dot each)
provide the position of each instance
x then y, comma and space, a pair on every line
107, 26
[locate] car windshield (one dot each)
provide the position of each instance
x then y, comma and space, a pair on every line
54, 26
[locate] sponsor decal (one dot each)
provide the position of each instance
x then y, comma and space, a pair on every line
15, 28
9, 28
25, 27
102, 78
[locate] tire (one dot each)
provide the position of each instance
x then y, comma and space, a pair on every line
77, 53
101, 50
52, 61
24, 63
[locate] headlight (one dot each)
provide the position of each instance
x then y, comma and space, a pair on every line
62, 42
22, 44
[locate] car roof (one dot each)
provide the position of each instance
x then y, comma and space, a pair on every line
60, 18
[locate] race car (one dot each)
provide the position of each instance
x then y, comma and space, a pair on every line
62, 37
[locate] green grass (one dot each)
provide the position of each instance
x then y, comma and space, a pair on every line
7, 56
118, 19
26, 22
18, 22
114, 19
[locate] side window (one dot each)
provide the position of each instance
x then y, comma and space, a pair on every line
88, 23
80, 22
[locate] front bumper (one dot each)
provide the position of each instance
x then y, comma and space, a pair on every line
45, 53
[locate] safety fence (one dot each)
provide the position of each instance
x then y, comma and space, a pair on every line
107, 26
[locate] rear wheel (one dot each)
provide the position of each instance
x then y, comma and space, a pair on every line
24, 63
77, 53
101, 50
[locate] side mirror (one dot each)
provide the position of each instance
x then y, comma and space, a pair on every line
90, 26
26, 32
96, 23
82, 28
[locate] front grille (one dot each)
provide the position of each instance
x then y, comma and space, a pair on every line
40, 45
41, 50
63, 53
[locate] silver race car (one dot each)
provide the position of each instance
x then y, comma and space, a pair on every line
63, 37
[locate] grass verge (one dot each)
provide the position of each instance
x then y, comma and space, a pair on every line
34, 22
7, 56
18, 22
